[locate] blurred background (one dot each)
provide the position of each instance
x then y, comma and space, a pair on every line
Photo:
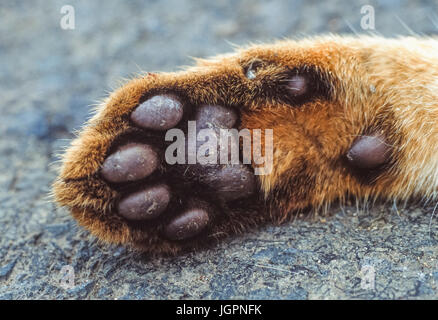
49, 78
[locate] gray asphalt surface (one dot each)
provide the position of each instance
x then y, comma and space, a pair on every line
49, 78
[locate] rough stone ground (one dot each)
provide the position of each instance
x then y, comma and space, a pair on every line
49, 77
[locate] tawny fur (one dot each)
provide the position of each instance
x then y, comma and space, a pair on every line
376, 84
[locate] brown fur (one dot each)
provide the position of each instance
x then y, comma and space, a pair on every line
370, 84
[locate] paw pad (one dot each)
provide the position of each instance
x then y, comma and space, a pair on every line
187, 225
160, 112
145, 204
131, 162
369, 152
297, 85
